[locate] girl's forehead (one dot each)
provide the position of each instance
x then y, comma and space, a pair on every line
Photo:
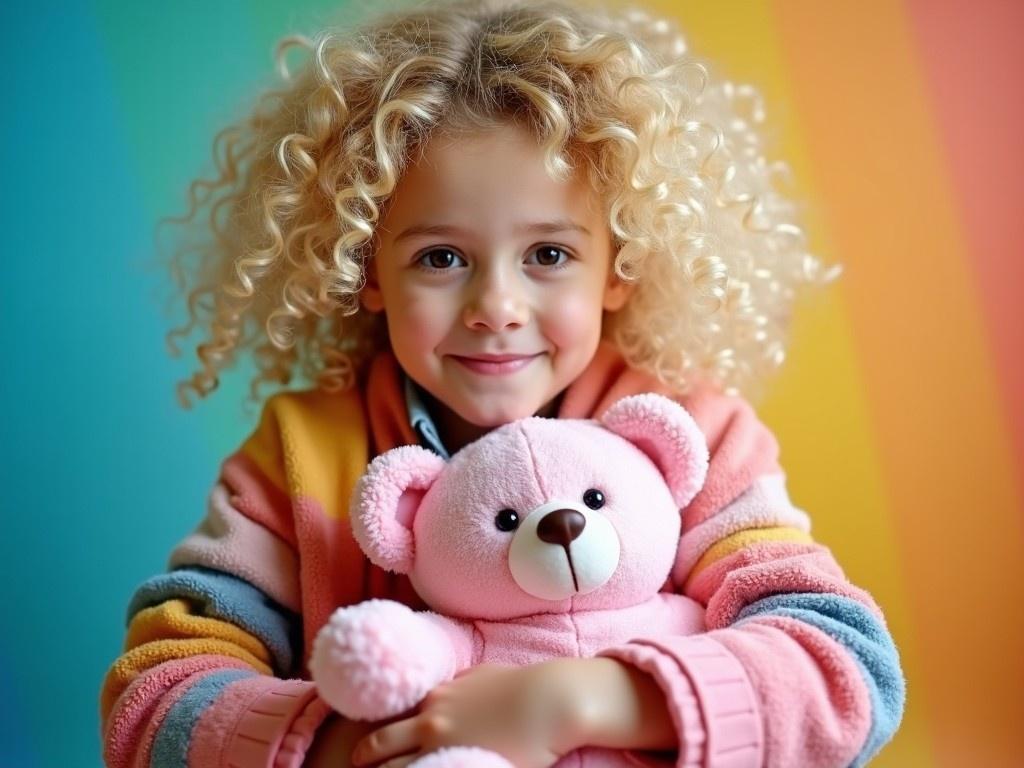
461, 155
498, 172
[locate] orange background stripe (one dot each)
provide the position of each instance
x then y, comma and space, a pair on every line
891, 412
941, 437
973, 56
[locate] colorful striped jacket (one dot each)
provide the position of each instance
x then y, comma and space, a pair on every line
796, 667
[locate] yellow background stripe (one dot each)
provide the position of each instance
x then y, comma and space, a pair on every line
927, 374
819, 406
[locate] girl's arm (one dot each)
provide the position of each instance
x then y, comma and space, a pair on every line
532, 715
211, 643
797, 667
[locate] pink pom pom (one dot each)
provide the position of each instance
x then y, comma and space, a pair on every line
378, 659
462, 757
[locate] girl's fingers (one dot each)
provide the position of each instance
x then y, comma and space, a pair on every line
394, 740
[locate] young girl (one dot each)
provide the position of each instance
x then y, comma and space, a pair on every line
454, 217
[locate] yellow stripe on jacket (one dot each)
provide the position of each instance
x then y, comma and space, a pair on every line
746, 538
312, 444
170, 631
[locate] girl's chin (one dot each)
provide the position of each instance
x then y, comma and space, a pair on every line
490, 419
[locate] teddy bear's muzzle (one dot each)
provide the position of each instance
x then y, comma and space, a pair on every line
561, 550
563, 527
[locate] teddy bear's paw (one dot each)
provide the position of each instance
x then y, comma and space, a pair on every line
377, 659
462, 757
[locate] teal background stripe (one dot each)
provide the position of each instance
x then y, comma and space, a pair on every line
109, 109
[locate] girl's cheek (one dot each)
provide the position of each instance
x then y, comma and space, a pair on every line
573, 318
422, 321
424, 302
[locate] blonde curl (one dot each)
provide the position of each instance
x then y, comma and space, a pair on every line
701, 225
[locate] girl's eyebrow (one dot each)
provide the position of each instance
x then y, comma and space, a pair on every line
541, 227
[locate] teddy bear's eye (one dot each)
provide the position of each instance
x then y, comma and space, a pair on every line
593, 498
507, 520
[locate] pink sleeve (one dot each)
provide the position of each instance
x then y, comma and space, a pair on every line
796, 667
709, 699
259, 722
229, 541
192, 686
256, 721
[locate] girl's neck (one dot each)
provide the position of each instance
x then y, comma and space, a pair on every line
456, 433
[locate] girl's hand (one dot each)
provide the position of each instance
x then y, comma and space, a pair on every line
523, 713
530, 715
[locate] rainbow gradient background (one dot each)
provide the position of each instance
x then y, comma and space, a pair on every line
900, 412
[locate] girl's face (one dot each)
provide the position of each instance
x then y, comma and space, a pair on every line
493, 277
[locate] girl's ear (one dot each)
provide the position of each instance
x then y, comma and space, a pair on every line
370, 296
616, 292
663, 429
386, 500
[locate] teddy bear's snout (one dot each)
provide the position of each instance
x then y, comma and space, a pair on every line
562, 527
561, 550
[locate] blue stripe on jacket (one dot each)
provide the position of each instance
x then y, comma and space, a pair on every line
173, 738
854, 626
228, 598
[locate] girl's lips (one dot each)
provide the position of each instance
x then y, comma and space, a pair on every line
495, 366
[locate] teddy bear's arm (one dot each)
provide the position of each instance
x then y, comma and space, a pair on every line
466, 642
379, 658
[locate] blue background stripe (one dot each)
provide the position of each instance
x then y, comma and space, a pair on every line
109, 108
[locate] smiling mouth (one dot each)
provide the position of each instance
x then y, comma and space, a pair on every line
496, 365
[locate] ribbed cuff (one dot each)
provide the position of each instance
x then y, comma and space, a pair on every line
297, 741
261, 722
277, 728
727, 723
681, 700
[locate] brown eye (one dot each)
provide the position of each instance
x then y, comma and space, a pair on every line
550, 256
441, 258
593, 498
507, 520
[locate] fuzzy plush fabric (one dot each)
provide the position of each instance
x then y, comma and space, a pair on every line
812, 694
436, 521
547, 537
389, 494
228, 541
378, 658
462, 757
675, 444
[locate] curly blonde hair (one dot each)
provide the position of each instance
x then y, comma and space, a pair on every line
699, 223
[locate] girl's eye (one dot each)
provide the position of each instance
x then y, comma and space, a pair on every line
549, 256
440, 258
593, 498
506, 520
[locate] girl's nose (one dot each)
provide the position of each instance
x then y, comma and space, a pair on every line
496, 303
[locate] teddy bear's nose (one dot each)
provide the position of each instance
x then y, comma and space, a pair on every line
561, 526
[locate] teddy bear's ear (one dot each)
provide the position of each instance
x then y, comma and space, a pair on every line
663, 430
385, 501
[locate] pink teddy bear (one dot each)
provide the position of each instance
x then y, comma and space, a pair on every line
545, 538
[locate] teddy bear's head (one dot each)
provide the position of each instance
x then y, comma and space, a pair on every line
540, 515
